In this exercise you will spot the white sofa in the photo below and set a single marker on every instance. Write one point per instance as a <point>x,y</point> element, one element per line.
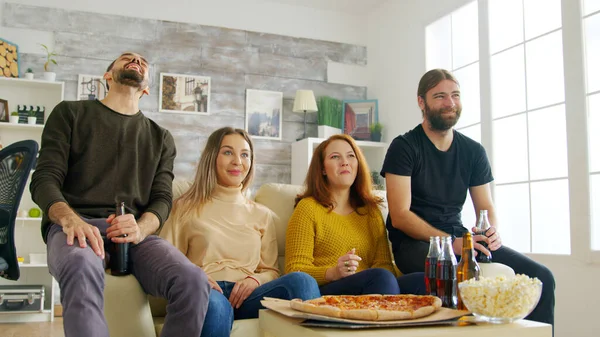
<point>131,313</point>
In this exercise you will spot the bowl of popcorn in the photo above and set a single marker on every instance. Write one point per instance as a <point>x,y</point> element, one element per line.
<point>501,299</point>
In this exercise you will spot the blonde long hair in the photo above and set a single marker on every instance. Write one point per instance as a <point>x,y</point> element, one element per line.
<point>190,203</point>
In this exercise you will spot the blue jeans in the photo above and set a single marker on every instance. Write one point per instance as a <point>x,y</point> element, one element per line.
<point>220,315</point>
<point>376,281</point>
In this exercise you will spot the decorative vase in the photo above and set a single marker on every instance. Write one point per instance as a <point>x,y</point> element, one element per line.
<point>376,136</point>
<point>31,120</point>
<point>49,76</point>
<point>326,131</point>
<point>29,76</point>
<point>14,119</point>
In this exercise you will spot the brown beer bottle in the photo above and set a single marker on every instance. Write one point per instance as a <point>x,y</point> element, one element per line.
<point>468,267</point>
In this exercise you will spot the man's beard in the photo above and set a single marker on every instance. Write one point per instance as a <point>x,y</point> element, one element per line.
<point>129,77</point>
<point>438,121</point>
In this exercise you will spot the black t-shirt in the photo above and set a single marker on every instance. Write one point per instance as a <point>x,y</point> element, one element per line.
<point>439,180</point>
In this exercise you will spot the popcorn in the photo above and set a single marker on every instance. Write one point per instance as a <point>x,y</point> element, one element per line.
<point>499,297</point>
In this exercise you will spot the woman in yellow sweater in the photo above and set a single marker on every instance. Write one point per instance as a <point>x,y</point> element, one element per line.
<point>230,237</point>
<point>337,234</point>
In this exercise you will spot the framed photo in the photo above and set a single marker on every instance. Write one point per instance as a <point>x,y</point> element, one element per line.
<point>90,87</point>
<point>9,59</point>
<point>4,113</point>
<point>358,116</point>
<point>263,113</point>
<point>184,94</point>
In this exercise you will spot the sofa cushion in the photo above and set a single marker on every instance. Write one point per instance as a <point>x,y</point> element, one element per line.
<point>180,186</point>
<point>279,198</point>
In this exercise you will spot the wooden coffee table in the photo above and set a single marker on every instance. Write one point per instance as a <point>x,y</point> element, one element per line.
<point>273,324</point>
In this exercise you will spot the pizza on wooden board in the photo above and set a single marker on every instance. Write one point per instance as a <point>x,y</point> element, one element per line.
<point>370,307</point>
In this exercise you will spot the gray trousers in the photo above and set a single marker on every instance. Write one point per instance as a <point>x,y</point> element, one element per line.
<point>160,268</point>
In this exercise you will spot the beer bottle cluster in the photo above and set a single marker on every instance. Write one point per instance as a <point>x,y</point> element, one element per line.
<point>442,274</point>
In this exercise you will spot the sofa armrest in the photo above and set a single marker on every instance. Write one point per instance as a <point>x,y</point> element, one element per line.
<point>126,307</point>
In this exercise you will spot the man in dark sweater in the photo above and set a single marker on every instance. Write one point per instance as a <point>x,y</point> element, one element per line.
<point>428,171</point>
<point>93,154</point>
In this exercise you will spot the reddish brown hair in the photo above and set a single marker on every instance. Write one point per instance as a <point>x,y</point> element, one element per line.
<point>317,186</point>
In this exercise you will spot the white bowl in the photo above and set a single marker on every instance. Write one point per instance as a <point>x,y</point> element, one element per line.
<point>501,299</point>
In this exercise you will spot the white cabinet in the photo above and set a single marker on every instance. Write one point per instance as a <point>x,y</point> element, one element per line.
<point>28,238</point>
<point>302,152</point>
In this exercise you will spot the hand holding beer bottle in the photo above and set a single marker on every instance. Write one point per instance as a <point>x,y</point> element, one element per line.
<point>482,228</point>
<point>119,252</point>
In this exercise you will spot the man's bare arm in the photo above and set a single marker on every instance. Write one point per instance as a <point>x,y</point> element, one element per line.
<point>61,214</point>
<point>399,199</point>
<point>482,199</point>
<point>148,223</point>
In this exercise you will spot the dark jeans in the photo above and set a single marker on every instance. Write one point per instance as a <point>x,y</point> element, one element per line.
<point>410,257</point>
<point>160,268</point>
<point>221,314</point>
<point>376,281</point>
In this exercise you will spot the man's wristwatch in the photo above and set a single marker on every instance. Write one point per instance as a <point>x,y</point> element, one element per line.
<point>453,237</point>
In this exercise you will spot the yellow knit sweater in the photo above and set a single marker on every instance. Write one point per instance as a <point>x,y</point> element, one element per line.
<point>316,238</point>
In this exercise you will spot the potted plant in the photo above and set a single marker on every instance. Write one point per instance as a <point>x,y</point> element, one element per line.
<point>31,117</point>
<point>329,116</point>
<point>377,181</point>
<point>376,131</point>
<point>49,75</point>
<point>29,74</point>
<point>14,117</point>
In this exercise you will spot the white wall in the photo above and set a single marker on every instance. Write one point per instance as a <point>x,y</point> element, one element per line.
<point>254,15</point>
<point>396,49</point>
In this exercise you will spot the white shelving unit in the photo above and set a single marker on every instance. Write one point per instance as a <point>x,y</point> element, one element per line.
<point>302,152</point>
<point>28,238</point>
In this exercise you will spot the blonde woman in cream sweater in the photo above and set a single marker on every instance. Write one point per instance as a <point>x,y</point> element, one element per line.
<point>230,237</point>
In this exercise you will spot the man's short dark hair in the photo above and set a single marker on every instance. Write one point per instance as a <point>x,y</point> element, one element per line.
<point>433,78</point>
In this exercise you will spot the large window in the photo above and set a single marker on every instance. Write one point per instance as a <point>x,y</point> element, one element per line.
<point>528,147</point>
<point>591,26</point>
<point>529,124</point>
<point>453,44</point>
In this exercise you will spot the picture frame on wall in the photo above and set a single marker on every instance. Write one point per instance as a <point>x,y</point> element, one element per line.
<point>358,116</point>
<point>264,110</point>
<point>180,93</point>
<point>9,59</point>
<point>4,112</point>
<point>90,87</point>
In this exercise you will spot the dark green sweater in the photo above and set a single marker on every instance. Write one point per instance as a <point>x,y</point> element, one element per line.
<point>92,156</point>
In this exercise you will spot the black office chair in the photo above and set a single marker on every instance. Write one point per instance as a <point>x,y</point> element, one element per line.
<point>16,161</point>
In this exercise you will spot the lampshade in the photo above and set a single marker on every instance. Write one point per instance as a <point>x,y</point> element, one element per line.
<point>305,101</point>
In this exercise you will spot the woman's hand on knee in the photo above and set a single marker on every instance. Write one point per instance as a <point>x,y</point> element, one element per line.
<point>241,290</point>
<point>214,285</point>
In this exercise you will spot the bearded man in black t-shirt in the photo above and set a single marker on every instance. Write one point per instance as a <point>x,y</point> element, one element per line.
<point>428,172</point>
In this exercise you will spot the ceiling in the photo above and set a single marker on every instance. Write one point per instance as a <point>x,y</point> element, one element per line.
<point>345,6</point>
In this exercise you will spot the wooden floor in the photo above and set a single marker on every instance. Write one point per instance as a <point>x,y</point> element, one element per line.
<point>42,329</point>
